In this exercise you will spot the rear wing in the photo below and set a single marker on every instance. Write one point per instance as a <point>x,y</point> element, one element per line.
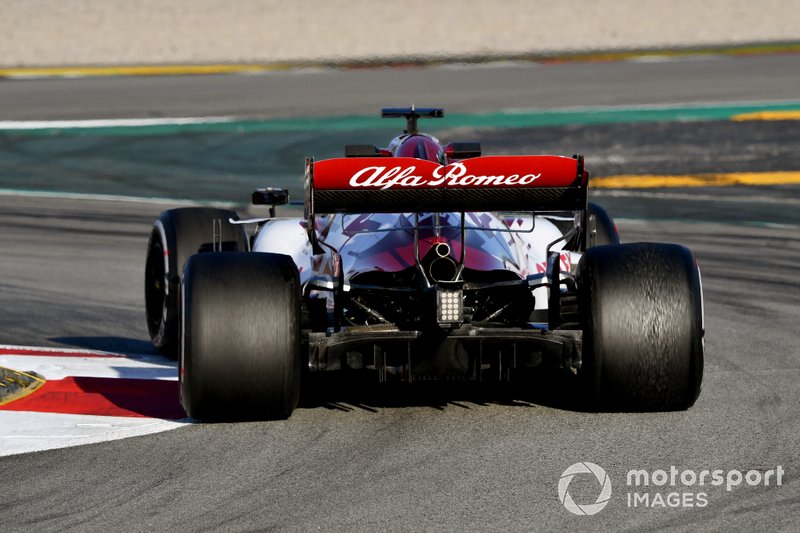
<point>489,183</point>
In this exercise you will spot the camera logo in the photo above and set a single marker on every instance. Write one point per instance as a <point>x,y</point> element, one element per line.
<point>590,508</point>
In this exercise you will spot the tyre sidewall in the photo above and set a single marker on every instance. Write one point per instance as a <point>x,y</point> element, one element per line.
<point>643,338</point>
<point>240,356</point>
<point>180,233</point>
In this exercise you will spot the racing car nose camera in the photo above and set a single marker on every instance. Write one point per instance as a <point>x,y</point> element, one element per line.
<point>449,307</point>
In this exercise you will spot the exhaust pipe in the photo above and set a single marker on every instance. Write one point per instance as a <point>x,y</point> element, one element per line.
<point>442,249</point>
<point>443,268</point>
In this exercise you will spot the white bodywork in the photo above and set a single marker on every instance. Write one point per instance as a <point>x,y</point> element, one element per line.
<point>288,236</point>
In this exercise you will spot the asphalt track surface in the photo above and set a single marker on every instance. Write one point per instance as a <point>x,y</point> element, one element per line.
<point>445,459</point>
<point>363,92</point>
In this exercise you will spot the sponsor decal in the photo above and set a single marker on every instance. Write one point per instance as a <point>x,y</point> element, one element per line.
<point>566,264</point>
<point>453,175</point>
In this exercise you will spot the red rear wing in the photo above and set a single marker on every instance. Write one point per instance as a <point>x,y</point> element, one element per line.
<point>490,183</point>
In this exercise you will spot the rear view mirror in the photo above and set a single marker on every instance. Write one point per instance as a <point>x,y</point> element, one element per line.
<point>270,196</point>
<point>462,150</point>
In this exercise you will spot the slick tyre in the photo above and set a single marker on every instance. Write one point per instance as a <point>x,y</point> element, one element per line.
<point>176,235</point>
<point>642,319</point>
<point>241,357</point>
<point>602,229</point>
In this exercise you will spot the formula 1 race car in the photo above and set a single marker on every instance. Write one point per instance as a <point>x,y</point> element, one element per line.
<point>422,262</point>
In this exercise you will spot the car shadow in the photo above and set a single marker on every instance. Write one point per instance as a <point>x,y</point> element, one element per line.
<point>550,388</point>
<point>339,391</point>
<point>120,345</point>
<point>149,398</point>
<point>149,389</point>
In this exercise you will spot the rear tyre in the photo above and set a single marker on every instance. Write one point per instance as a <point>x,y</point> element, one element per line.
<point>241,356</point>
<point>176,235</point>
<point>605,231</point>
<point>642,327</point>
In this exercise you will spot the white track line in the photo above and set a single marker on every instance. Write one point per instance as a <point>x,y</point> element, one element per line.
<point>111,123</point>
<point>21,349</point>
<point>23,432</point>
<point>55,195</point>
<point>55,367</point>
